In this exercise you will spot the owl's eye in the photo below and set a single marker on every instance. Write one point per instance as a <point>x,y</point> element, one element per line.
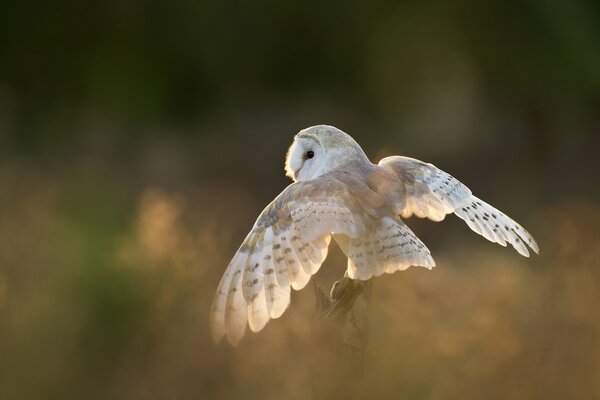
<point>310,154</point>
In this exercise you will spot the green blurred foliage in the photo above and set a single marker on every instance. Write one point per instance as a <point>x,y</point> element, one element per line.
<point>139,140</point>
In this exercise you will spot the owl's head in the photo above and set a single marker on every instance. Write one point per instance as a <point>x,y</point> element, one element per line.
<point>318,150</point>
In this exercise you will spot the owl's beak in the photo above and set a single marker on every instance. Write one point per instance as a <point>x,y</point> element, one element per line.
<point>296,173</point>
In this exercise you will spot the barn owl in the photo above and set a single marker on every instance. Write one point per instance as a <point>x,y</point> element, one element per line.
<point>338,193</point>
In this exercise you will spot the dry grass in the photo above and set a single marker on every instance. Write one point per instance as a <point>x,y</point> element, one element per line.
<point>122,311</point>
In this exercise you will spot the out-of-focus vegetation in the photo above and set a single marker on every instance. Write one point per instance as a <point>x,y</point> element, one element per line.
<point>138,142</point>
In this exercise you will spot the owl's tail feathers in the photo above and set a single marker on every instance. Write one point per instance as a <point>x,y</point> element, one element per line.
<point>390,247</point>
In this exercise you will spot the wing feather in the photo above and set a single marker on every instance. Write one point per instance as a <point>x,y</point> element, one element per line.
<point>286,246</point>
<point>282,272</point>
<point>432,193</point>
<point>235,309</point>
<point>297,272</point>
<point>277,297</point>
<point>218,311</point>
<point>388,248</point>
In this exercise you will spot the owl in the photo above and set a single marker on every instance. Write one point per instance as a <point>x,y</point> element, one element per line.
<point>338,193</point>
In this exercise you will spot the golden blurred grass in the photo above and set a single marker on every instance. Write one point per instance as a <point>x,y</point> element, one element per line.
<point>96,305</point>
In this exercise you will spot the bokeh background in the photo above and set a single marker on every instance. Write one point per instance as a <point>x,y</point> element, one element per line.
<point>140,140</point>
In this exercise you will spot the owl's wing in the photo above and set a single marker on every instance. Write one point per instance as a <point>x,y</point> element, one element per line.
<point>432,193</point>
<point>286,246</point>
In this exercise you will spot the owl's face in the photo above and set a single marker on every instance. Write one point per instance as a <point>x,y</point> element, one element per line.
<point>318,150</point>
<point>305,159</point>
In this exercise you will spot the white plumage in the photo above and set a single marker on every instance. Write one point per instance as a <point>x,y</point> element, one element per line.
<point>337,192</point>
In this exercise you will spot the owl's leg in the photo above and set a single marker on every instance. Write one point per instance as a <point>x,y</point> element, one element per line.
<point>344,294</point>
<point>341,298</point>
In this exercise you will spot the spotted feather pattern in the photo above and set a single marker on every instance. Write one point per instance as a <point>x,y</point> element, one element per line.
<point>388,248</point>
<point>360,205</point>
<point>432,193</point>
<point>285,248</point>
<point>495,226</point>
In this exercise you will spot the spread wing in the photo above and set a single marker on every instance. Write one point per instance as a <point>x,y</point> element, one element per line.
<point>432,193</point>
<point>286,246</point>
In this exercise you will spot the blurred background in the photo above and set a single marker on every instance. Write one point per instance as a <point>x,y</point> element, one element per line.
<point>140,140</point>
